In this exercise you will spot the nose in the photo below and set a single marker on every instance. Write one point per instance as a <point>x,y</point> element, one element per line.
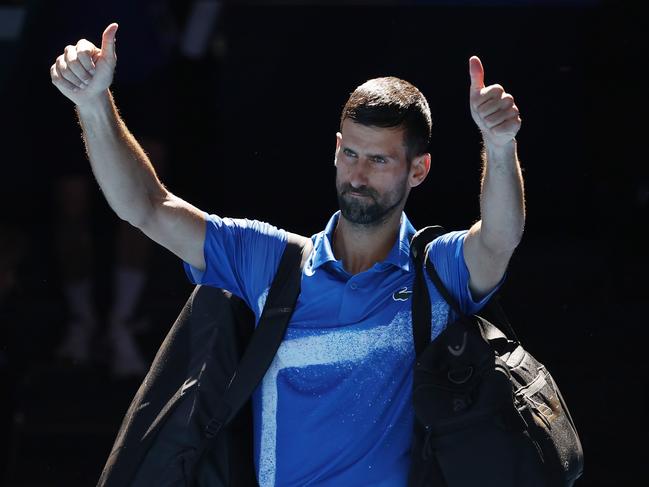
<point>358,174</point>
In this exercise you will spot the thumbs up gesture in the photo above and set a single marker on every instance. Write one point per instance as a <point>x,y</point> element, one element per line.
<point>83,71</point>
<point>493,110</point>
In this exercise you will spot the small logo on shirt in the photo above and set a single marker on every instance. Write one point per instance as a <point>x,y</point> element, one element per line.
<point>402,294</point>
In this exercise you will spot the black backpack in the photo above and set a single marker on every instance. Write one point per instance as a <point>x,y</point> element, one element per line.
<point>487,412</point>
<point>190,422</point>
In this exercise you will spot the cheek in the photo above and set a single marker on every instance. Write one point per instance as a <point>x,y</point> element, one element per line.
<point>399,181</point>
<point>342,168</point>
<point>340,176</point>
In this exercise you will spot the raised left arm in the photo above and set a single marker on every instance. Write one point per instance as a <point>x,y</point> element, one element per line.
<point>491,241</point>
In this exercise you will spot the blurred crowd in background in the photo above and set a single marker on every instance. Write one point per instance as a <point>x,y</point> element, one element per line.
<point>237,104</point>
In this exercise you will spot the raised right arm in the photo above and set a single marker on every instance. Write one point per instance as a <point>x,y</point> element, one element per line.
<point>122,169</point>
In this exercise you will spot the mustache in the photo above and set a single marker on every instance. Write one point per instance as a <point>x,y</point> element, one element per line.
<point>362,190</point>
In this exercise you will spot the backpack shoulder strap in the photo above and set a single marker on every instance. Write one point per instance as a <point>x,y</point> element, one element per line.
<point>421,316</point>
<point>268,335</point>
<point>422,238</point>
<point>493,306</point>
<point>421,313</point>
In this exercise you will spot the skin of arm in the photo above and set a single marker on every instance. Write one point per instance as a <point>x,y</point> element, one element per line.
<point>491,241</point>
<point>122,169</point>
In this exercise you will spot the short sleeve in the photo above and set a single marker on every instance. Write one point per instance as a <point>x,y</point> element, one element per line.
<point>446,253</point>
<point>241,256</point>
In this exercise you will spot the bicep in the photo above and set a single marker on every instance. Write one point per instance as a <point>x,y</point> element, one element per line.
<point>179,227</point>
<point>486,266</point>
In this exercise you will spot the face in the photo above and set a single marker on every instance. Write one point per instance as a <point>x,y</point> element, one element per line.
<point>373,177</point>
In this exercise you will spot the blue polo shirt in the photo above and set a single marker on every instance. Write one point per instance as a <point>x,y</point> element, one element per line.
<point>334,408</point>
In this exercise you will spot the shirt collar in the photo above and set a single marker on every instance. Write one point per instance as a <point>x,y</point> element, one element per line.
<point>399,255</point>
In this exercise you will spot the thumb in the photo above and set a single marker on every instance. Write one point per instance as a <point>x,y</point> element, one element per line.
<point>108,42</point>
<point>476,71</point>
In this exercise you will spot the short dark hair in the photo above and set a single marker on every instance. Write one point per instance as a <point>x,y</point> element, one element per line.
<point>392,102</point>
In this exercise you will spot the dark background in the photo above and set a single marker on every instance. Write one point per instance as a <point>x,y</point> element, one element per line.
<point>250,125</point>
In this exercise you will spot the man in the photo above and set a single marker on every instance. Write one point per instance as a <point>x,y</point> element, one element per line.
<point>334,407</point>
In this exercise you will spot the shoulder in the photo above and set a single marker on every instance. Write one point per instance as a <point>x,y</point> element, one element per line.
<point>244,225</point>
<point>449,244</point>
<point>238,233</point>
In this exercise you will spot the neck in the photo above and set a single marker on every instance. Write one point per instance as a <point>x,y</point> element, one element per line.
<point>361,246</point>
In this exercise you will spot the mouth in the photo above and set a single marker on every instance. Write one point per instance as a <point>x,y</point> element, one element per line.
<point>348,191</point>
<point>359,193</point>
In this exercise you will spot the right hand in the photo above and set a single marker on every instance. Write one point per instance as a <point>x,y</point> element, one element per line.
<point>84,72</point>
<point>493,110</point>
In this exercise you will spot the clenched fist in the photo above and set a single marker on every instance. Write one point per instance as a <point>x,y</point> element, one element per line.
<point>83,72</point>
<point>493,110</point>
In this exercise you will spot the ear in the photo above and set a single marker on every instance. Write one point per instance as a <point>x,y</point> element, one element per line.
<point>339,141</point>
<point>419,169</point>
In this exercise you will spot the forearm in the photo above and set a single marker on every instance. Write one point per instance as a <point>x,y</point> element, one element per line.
<point>121,167</point>
<point>502,201</point>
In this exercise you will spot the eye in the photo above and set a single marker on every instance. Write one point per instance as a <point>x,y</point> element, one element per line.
<point>349,153</point>
<point>379,160</point>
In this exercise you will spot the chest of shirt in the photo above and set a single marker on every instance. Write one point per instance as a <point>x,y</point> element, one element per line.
<point>331,301</point>
<point>346,332</point>
<point>376,304</point>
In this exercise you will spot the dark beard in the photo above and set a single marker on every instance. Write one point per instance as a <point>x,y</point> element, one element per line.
<point>364,211</point>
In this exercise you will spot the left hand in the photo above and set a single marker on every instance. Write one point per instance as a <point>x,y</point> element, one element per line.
<point>493,110</point>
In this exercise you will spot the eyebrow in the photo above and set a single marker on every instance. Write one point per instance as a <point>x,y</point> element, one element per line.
<point>383,156</point>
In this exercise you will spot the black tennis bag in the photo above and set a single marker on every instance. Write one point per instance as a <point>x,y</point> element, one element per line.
<point>190,422</point>
<point>487,412</point>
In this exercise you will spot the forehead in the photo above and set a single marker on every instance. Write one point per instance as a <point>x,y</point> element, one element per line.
<point>372,139</point>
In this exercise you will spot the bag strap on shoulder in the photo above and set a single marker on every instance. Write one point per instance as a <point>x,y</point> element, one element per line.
<point>268,334</point>
<point>421,314</point>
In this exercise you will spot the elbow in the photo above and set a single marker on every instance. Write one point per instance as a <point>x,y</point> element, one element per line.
<point>514,239</point>
<point>132,219</point>
<point>140,214</point>
<point>502,242</point>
